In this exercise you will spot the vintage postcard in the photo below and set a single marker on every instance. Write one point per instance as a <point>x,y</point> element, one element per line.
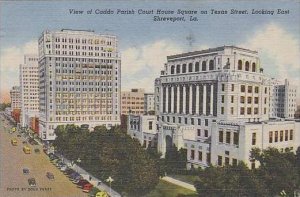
<point>149,98</point>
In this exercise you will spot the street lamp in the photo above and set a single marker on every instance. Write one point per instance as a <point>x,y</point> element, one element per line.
<point>109,180</point>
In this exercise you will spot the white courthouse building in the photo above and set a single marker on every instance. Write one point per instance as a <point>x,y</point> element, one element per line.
<point>216,104</point>
<point>29,89</point>
<point>79,77</point>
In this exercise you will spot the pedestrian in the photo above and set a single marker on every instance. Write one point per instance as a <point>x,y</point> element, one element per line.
<point>99,183</point>
<point>90,178</point>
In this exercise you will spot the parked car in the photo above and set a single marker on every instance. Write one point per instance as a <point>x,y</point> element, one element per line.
<point>82,183</point>
<point>25,171</point>
<point>73,176</point>
<point>68,171</point>
<point>87,187</point>
<point>63,168</point>
<point>50,176</point>
<point>93,192</point>
<point>77,179</point>
<point>18,135</point>
<point>32,182</point>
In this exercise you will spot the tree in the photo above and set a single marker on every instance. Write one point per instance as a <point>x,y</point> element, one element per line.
<point>105,153</point>
<point>229,181</point>
<point>277,169</point>
<point>175,160</point>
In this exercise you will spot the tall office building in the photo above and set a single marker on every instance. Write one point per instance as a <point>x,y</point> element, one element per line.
<point>15,98</point>
<point>29,89</point>
<point>283,100</point>
<point>80,80</point>
<point>215,104</point>
<point>133,102</point>
<point>149,102</point>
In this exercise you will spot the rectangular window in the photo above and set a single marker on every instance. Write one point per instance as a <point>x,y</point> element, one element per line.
<point>291,134</point>
<point>192,154</point>
<point>281,136</point>
<point>255,110</point>
<point>231,110</point>
<point>200,155</point>
<point>199,121</point>
<point>219,160</point>
<point>236,138</point>
<point>242,99</point>
<point>253,138</point>
<point>221,136</point>
<point>192,121</point>
<point>232,87</point>
<point>270,136</point>
<point>222,110</point>
<point>228,137</point>
<point>232,99</point>
<point>223,87</point>
<point>255,100</point>
<point>234,162</point>
<point>249,89</point>
<point>226,161</point>
<point>249,100</point>
<point>205,133</point>
<point>150,125</point>
<point>242,111</point>
<point>222,98</point>
<point>179,119</point>
<point>206,122</point>
<point>242,88</point>
<point>286,137</point>
<point>208,158</point>
<point>199,132</point>
<point>249,110</point>
<point>256,89</point>
<point>276,136</point>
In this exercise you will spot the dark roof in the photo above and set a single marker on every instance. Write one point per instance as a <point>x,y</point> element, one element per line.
<point>210,50</point>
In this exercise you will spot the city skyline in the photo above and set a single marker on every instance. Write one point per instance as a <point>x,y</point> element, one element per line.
<point>144,52</point>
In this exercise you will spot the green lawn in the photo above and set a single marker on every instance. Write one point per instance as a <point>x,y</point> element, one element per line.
<point>166,189</point>
<point>185,178</point>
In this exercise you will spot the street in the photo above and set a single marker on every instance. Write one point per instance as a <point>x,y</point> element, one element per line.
<point>13,160</point>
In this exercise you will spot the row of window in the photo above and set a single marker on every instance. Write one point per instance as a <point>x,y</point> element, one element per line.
<point>246,66</point>
<point>226,161</point>
<point>192,120</point>
<point>183,68</point>
<point>83,41</point>
<point>228,137</point>
<point>200,156</point>
<point>280,136</point>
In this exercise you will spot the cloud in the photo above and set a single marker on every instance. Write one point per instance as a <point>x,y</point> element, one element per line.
<point>279,46</point>
<point>10,60</point>
<point>279,52</point>
<point>141,65</point>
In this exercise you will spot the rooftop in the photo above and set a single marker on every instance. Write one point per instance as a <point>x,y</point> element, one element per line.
<point>210,50</point>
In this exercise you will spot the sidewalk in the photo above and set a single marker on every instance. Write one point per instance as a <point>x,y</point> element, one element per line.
<point>179,183</point>
<point>93,180</point>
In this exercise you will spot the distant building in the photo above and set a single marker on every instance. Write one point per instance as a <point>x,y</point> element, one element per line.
<point>80,80</point>
<point>149,103</point>
<point>143,128</point>
<point>283,100</point>
<point>15,97</point>
<point>29,87</point>
<point>132,102</point>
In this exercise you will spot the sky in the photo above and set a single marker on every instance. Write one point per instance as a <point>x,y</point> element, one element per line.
<point>144,44</point>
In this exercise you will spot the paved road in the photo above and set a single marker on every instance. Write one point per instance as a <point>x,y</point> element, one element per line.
<point>12,180</point>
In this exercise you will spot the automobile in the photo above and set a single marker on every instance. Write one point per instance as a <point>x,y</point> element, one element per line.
<point>73,176</point>
<point>82,183</point>
<point>77,179</point>
<point>68,171</point>
<point>32,182</point>
<point>63,168</point>
<point>24,142</point>
<point>25,171</point>
<point>18,135</point>
<point>37,150</point>
<point>93,192</point>
<point>101,194</point>
<point>27,149</point>
<point>50,176</point>
<point>87,187</point>
<point>14,142</point>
